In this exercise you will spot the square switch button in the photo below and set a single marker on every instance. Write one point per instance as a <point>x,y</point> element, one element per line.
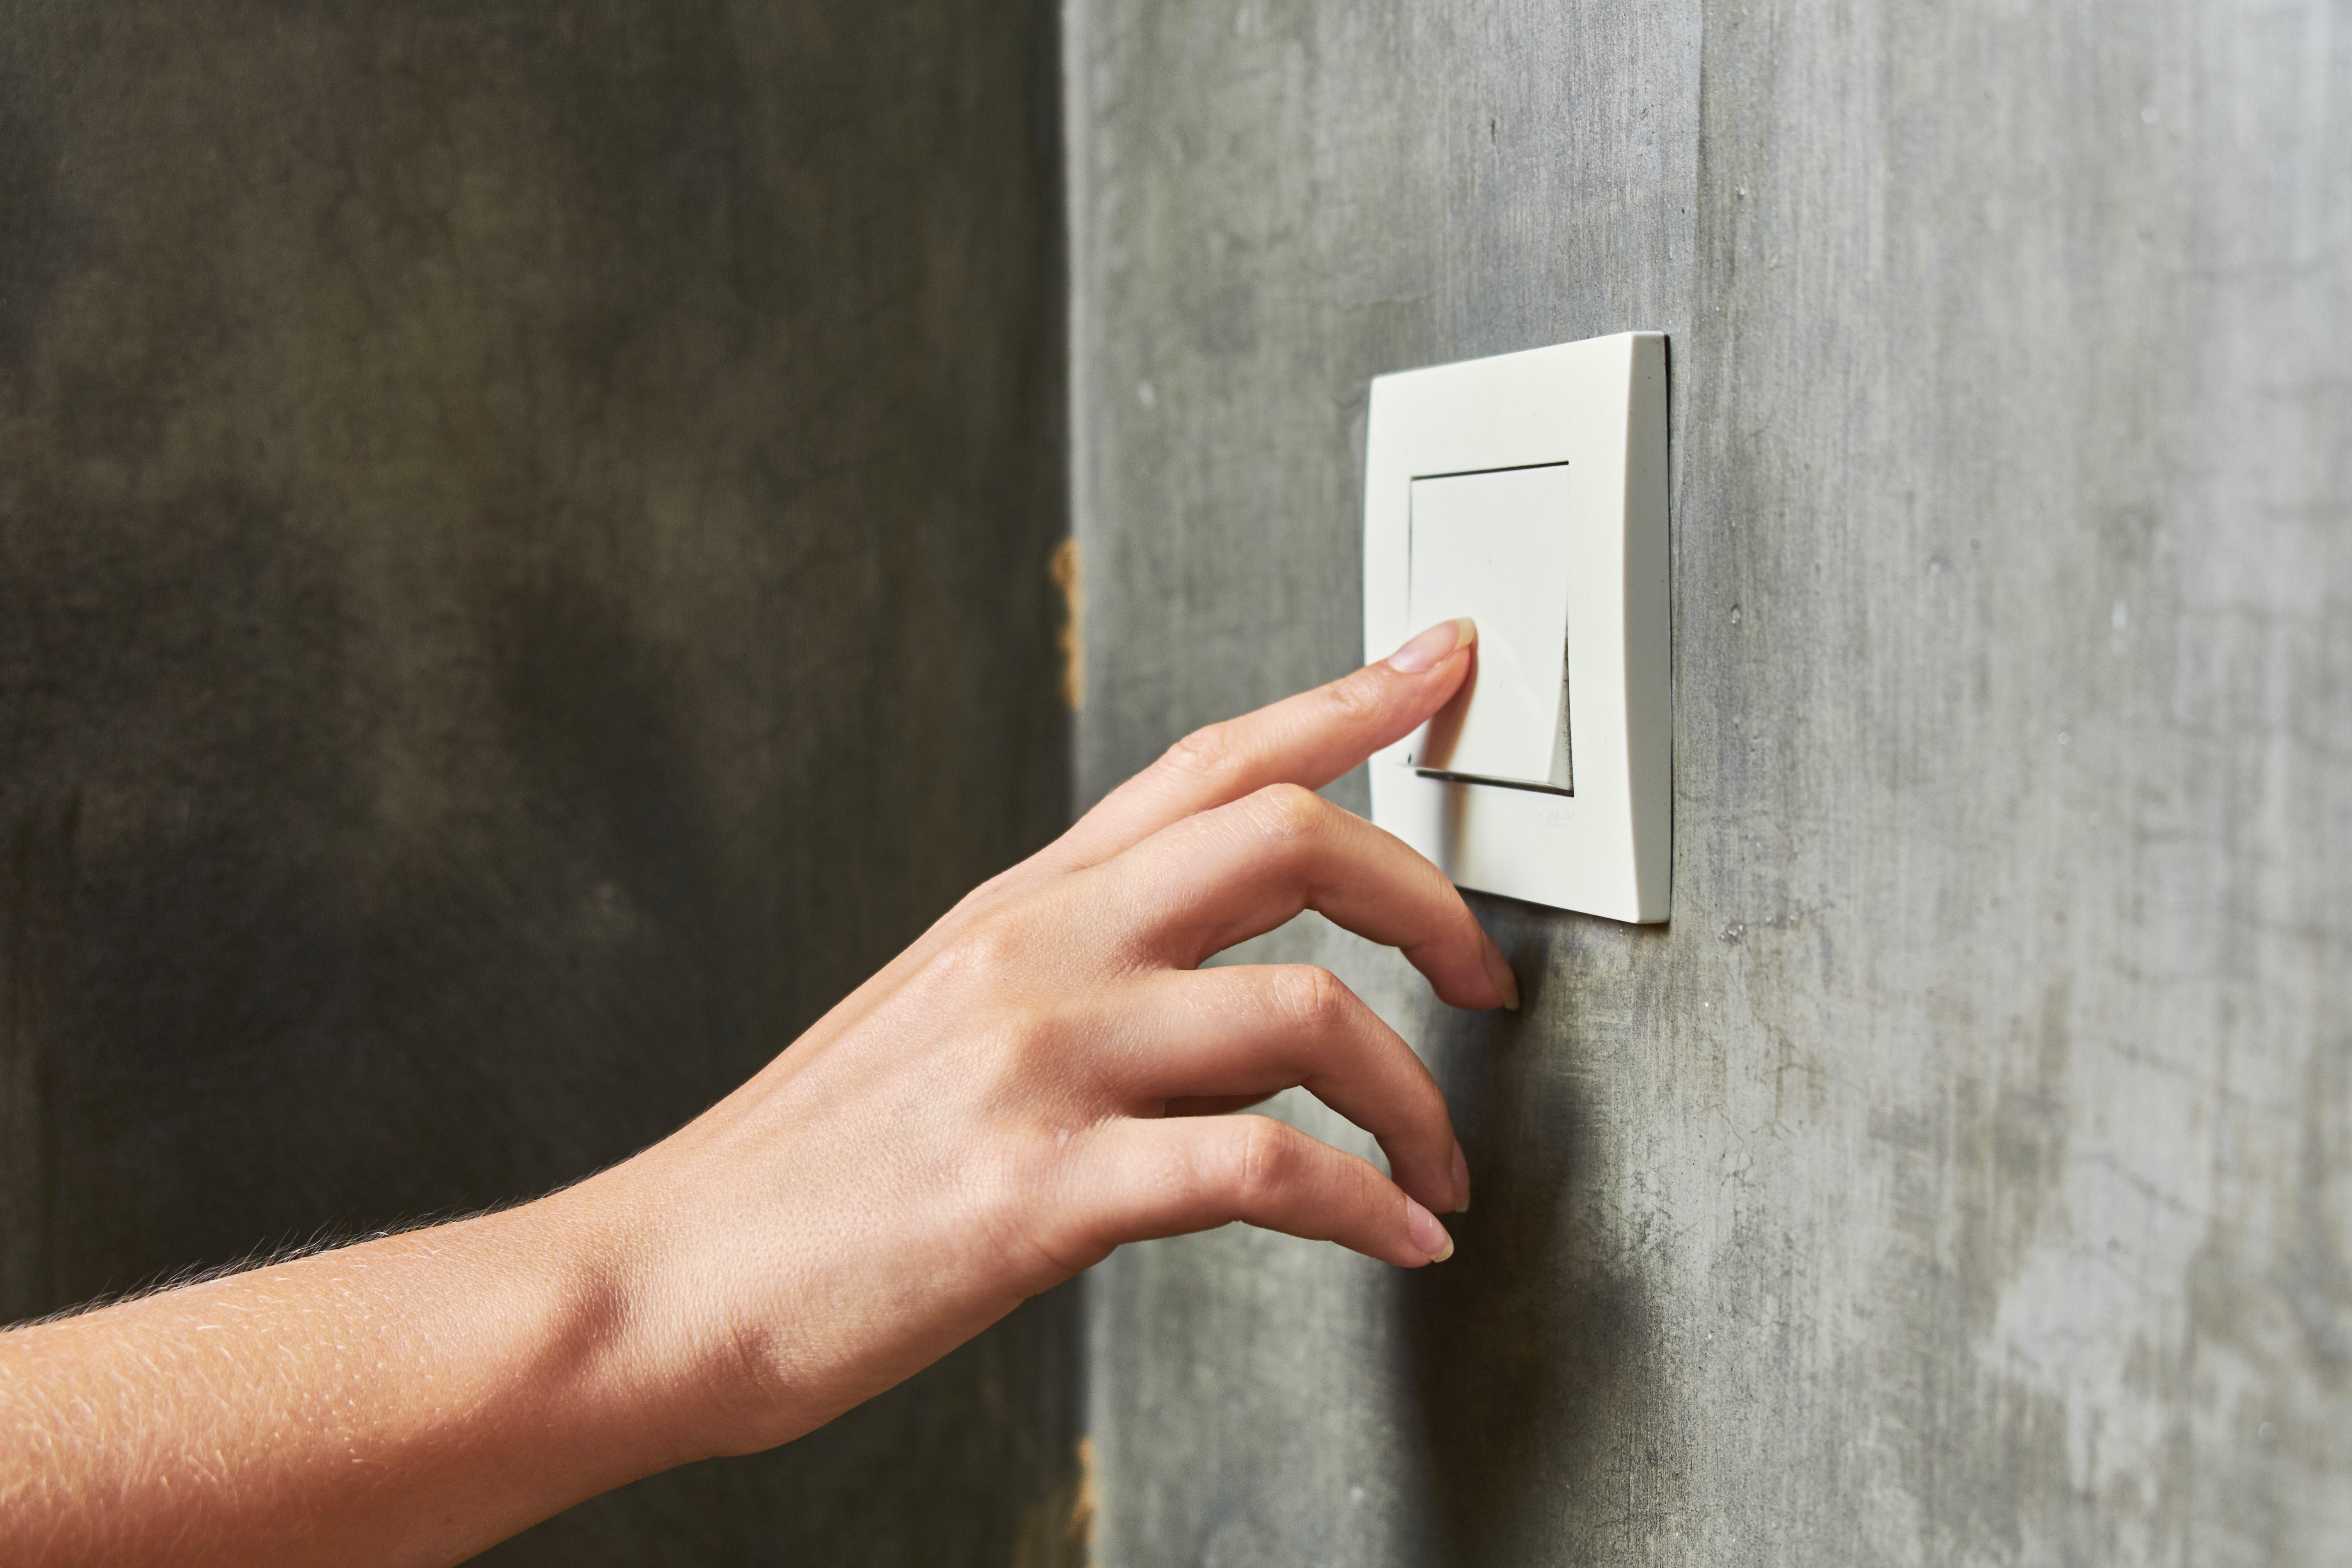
<point>1495,547</point>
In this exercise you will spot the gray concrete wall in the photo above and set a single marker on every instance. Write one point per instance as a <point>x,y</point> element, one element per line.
<point>1965,1175</point>
<point>523,539</point>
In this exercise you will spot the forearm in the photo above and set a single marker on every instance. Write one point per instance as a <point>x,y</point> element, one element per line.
<point>409,1400</point>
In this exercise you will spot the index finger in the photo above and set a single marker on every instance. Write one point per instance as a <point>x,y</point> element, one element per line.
<point>1308,739</point>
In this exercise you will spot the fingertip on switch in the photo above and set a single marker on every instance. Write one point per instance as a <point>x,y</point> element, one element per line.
<point>1435,646</point>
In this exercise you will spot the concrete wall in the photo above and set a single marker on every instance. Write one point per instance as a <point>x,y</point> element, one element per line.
<point>523,540</point>
<point>1966,1174</point>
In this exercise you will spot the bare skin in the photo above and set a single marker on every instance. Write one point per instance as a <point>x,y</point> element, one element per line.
<point>1013,1096</point>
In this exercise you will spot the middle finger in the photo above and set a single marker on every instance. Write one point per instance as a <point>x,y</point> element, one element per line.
<point>1225,876</point>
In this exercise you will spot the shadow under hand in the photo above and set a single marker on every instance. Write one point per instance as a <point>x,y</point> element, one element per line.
<point>1535,1382</point>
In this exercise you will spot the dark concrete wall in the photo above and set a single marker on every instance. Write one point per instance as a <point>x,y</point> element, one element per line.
<point>1965,1175</point>
<point>523,540</point>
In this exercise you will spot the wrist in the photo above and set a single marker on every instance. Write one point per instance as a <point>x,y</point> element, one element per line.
<point>694,1356</point>
<point>614,1359</point>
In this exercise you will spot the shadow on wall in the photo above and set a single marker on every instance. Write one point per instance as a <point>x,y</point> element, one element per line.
<point>1536,1376</point>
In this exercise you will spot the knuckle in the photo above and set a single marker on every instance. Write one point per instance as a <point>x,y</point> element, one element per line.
<point>993,957</point>
<point>1262,1159</point>
<point>1210,752</point>
<point>1310,995</point>
<point>1025,1034</point>
<point>1427,1108</point>
<point>1015,1194</point>
<point>988,948</point>
<point>1358,697</point>
<point>1284,812</point>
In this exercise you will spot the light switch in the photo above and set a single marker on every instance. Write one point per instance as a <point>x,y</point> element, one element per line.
<point>1527,491</point>
<point>1494,547</point>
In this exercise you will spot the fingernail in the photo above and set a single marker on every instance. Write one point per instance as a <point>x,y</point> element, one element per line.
<point>1426,1233</point>
<point>1461,1181</point>
<point>1435,646</point>
<point>1498,969</point>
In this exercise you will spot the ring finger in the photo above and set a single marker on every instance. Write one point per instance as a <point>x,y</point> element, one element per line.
<point>1236,1034</point>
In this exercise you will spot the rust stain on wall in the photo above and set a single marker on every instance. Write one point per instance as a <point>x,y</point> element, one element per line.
<point>1064,571</point>
<point>1042,1544</point>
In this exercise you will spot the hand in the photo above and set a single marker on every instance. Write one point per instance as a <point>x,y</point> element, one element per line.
<point>1017,1093</point>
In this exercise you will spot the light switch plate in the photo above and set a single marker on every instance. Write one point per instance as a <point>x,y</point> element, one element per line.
<point>1533,474</point>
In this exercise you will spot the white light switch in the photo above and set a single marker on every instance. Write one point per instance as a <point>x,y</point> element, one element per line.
<point>1494,547</point>
<point>1528,492</point>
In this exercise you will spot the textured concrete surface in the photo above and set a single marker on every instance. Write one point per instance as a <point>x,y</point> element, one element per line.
<point>523,546</point>
<point>1965,1175</point>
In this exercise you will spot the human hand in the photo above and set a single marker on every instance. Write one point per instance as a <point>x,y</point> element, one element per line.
<point>1013,1096</point>
<point>1022,1089</point>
